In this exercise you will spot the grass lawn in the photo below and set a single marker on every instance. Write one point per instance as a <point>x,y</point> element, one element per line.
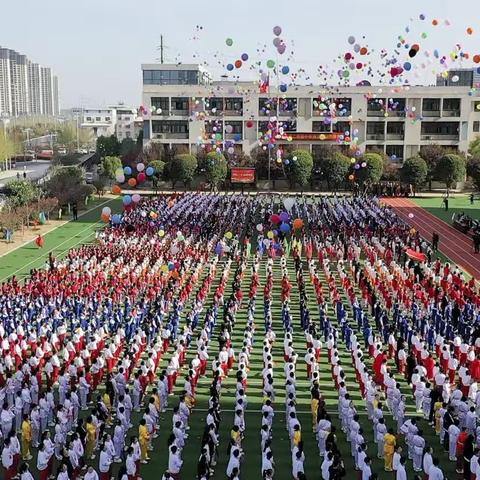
<point>435,206</point>
<point>76,233</point>
<point>58,241</point>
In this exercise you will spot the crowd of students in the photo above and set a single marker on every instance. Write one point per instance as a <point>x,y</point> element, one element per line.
<point>95,344</point>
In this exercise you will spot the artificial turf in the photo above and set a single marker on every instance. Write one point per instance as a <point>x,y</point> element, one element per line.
<point>458,204</point>
<point>75,233</point>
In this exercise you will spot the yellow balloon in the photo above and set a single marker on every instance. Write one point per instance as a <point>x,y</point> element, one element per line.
<point>229,235</point>
<point>270,234</point>
<point>161,233</point>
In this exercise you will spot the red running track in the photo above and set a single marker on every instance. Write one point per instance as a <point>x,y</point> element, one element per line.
<point>454,244</point>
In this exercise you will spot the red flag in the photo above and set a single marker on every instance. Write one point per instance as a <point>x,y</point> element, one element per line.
<point>264,85</point>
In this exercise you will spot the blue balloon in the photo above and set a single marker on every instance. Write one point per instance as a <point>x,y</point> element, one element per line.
<point>171,266</point>
<point>285,70</point>
<point>116,219</point>
<point>244,57</point>
<point>407,66</point>
<point>284,227</point>
<point>237,137</point>
<point>127,200</point>
<point>127,171</point>
<point>218,249</point>
<point>283,87</point>
<point>150,171</point>
<point>230,67</point>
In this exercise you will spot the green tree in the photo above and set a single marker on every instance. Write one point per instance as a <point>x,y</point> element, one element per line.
<point>110,165</point>
<point>216,169</point>
<point>128,147</point>
<point>431,154</point>
<point>335,166</point>
<point>473,170</point>
<point>301,166</point>
<point>21,192</point>
<point>474,148</point>
<point>414,171</point>
<point>108,146</point>
<point>451,168</point>
<point>182,168</point>
<point>373,170</point>
<point>158,167</point>
<point>67,135</point>
<point>67,185</point>
<point>7,148</point>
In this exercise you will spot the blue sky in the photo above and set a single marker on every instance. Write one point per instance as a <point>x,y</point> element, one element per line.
<point>96,46</point>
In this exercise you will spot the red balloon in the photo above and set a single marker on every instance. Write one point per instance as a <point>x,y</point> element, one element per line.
<point>141,177</point>
<point>275,219</point>
<point>249,124</point>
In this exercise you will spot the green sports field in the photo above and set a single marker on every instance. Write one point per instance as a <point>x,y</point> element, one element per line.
<point>75,233</point>
<point>455,205</point>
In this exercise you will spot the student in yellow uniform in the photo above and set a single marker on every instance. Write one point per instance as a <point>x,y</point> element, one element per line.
<point>108,404</point>
<point>235,435</point>
<point>314,406</point>
<point>438,416</point>
<point>26,438</point>
<point>388,449</point>
<point>297,435</point>
<point>143,438</point>
<point>91,437</point>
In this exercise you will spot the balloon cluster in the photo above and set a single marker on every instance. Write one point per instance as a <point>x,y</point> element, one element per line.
<point>136,178</point>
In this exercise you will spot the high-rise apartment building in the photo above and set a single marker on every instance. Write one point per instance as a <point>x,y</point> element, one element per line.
<point>26,88</point>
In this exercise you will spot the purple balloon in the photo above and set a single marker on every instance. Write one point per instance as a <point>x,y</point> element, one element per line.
<point>277,30</point>
<point>277,42</point>
<point>284,217</point>
<point>281,48</point>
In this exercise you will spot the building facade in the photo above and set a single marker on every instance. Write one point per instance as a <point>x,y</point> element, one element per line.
<point>118,120</point>
<point>26,88</point>
<point>184,107</point>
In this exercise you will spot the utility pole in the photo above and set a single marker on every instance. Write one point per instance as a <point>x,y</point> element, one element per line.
<point>161,49</point>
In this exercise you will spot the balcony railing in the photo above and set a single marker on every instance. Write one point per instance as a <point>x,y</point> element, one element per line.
<point>395,136</point>
<point>375,136</point>
<point>450,113</point>
<point>179,112</point>
<point>396,113</point>
<point>375,113</point>
<point>436,136</point>
<point>431,113</point>
<point>232,113</point>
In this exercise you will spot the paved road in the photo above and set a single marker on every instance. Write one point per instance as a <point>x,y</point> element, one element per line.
<point>36,169</point>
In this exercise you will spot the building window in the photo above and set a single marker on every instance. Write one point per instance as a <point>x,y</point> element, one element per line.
<point>170,77</point>
<point>162,103</point>
<point>431,105</point>
<point>341,127</point>
<point>440,130</point>
<point>287,105</point>
<point>234,105</point>
<point>170,127</point>
<point>237,127</point>
<point>395,152</point>
<point>476,106</point>
<point>89,119</point>
<point>107,119</point>
<point>375,130</point>
<point>98,119</point>
<point>214,103</point>
<point>267,106</point>
<point>180,104</point>
<point>321,127</point>
<point>128,134</point>
<point>476,127</point>
<point>451,107</point>
<point>376,107</point>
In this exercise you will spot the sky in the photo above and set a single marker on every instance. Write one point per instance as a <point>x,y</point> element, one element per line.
<point>96,47</point>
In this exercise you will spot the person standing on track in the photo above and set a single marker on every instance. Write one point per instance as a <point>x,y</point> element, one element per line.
<point>435,241</point>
